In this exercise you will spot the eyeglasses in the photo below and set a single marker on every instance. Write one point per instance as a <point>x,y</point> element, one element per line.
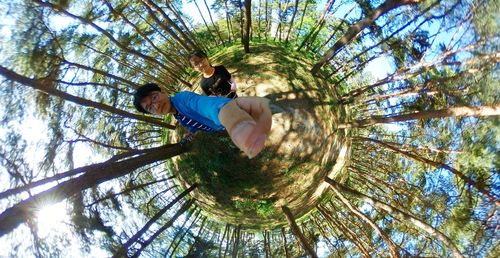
<point>153,99</point>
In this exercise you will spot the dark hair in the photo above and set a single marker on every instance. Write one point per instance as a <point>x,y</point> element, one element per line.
<point>199,54</point>
<point>143,92</point>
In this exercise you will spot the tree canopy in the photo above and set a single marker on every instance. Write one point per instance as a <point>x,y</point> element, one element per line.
<point>386,136</point>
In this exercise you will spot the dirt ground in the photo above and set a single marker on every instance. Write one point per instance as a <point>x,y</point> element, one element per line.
<point>301,150</point>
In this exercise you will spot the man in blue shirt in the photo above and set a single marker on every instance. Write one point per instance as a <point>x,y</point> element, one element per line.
<point>247,119</point>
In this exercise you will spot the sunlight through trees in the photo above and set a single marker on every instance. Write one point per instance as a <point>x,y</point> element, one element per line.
<point>385,139</point>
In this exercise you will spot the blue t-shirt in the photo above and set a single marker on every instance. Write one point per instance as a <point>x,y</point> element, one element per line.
<point>197,112</point>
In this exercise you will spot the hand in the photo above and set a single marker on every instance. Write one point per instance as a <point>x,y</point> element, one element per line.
<point>248,121</point>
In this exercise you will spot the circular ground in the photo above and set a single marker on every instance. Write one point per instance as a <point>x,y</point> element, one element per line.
<point>302,147</point>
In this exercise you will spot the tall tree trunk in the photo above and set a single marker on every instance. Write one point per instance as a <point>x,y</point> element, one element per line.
<point>480,111</point>
<point>137,71</point>
<point>213,24</point>
<point>39,85</point>
<point>58,176</point>
<point>278,28</point>
<point>401,215</point>
<point>184,232</point>
<point>318,26</point>
<point>230,240</point>
<point>170,22</point>
<point>134,52</point>
<point>101,72</point>
<point>356,28</point>
<point>296,231</point>
<point>266,241</point>
<point>341,22</point>
<point>139,31</point>
<point>302,19</point>
<point>291,21</point>
<point>124,249</point>
<point>266,31</point>
<point>205,22</point>
<point>237,241</point>
<point>248,25</point>
<point>198,236</point>
<point>146,243</point>
<point>321,229</point>
<point>189,28</point>
<point>346,231</point>
<point>479,187</point>
<point>226,229</point>
<point>259,19</point>
<point>285,244</point>
<point>392,248</point>
<point>229,23</point>
<point>102,172</point>
<point>127,190</point>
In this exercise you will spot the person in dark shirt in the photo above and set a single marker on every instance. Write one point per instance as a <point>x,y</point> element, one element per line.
<point>216,80</point>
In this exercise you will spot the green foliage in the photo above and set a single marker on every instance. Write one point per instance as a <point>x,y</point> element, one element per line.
<point>263,208</point>
<point>448,60</point>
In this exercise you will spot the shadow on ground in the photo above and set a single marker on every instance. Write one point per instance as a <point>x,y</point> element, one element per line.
<point>301,150</point>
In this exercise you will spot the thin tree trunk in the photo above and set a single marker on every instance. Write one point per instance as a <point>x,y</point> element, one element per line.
<point>296,231</point>
<point>229,23</point>
<point>174,26</point>
<point>213,24</point>
<point>128,190</point>
<point>237,241</point>
<point>124,248</point>
<point>39,85</point>
<point>356,28</point>
<point>266,241</point>
<point>242,17</point>
<point>139,31</point>
<point>291,21</point>
<point>189,28</point>
<point>72,172</point>
<point>205,22</point>
<point>146,243</point>
<point>342,21</point>
<point>248,25</point>
<point>392,248</point>
<point>198,235</point>
<point>230,240</point>
<point>480,111</point>
<point>479,187</point>
<point>285,245</point>
<point>101,72</point>
<point>134,52</point>
<point>102,172</point>
<point>318,25</point>
<point>186,231</point>
<point>266,31</point>
<point>403,216</point>
<point>315,219</point>
<point>259,19</point>
<point>222,239</point>
<point>280,13</point>
<point>138,71</point>
<point>302,19</point>
<point>179,232</point>
<point>347,232</point>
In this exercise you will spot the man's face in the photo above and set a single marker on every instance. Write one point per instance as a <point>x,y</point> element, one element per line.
<point>200,64</point>
<point>156,103</point>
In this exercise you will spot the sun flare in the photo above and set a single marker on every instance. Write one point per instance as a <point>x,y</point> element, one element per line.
<point>52,218</point>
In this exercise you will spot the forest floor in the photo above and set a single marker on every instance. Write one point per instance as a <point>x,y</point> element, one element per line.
<point>302,148</point>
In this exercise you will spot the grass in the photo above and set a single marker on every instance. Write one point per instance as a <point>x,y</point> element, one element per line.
<point>236,189</point>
